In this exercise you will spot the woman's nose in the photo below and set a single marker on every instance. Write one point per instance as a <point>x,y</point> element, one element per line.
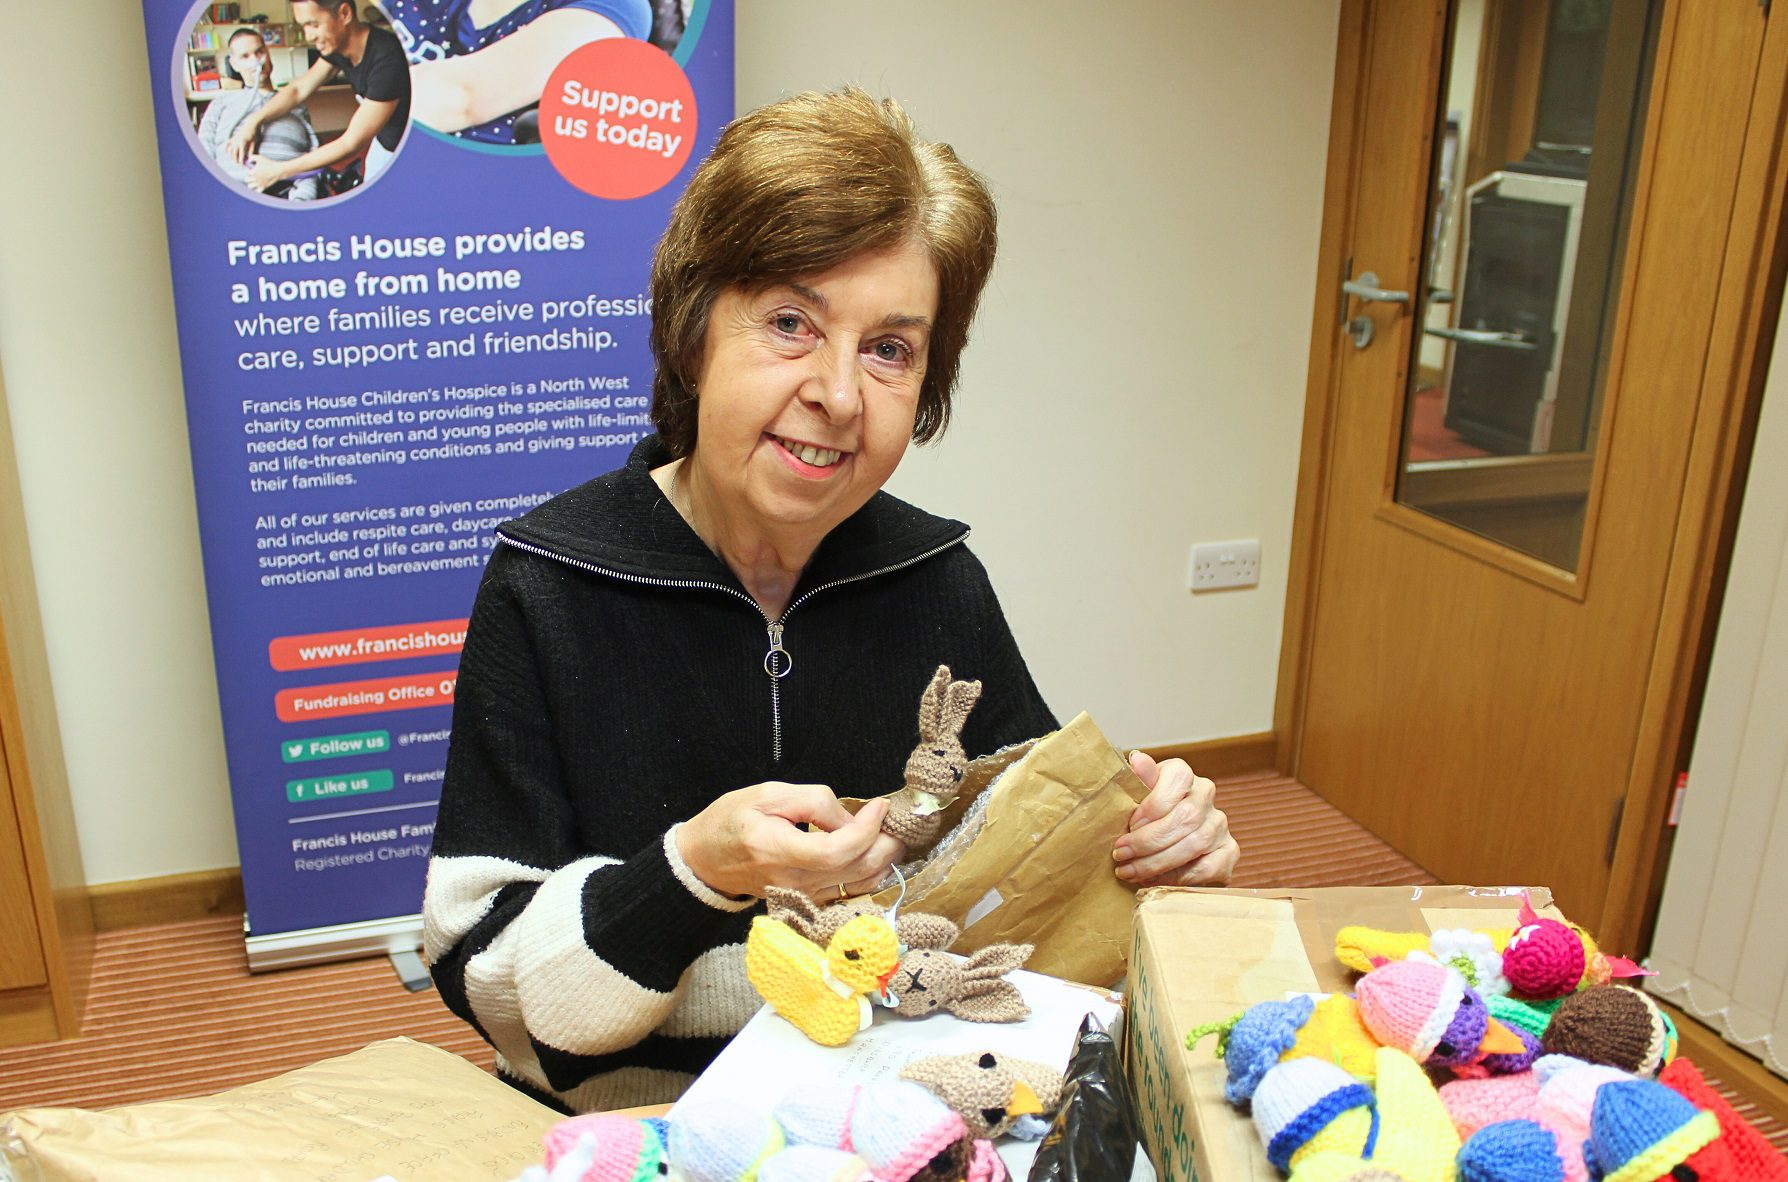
<point>835,385</point>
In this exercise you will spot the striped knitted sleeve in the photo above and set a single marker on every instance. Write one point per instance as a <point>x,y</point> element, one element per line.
<point>565,958</point>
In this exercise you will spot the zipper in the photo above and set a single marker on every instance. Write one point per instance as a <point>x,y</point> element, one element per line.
<point>778,661</point>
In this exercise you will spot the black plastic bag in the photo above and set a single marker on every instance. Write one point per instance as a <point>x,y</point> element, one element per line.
<point>1096,1136</point>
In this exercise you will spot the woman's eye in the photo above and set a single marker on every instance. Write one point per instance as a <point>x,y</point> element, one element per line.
<point>788,323</point>
<point>891,351</point>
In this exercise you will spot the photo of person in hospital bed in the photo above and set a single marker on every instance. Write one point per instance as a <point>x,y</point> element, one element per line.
<point>284,137</point>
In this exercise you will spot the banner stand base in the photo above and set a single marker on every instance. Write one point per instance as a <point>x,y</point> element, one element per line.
<point>342,941</point>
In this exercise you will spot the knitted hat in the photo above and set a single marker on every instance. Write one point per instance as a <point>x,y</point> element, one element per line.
<point>1478,1103</point>
<point>818,1114</point>
<point>815,1163</point>
<point>722,1141</point>
<point>1307,1105</point>
<point>1511,1151</point>
<point>989,1091</point>
<point>898,1128</point>
<point>1754,1159</point>
<point>627,1150</point>
<point>1335,1033</point>
<point>1258,1039</point>
<point>1610,1024</point>
<point>1567,1096</point>
<point>1408,1004</point>
<point>1641,1130</point>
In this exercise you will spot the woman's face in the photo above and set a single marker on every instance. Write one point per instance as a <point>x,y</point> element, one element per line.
<point>808,390</point>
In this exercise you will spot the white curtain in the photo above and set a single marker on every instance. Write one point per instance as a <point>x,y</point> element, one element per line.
<point>1721,945</point>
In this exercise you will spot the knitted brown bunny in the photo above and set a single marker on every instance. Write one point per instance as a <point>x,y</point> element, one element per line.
<point>974,989</point>
<point>934,770</point>
<point>817,923</point>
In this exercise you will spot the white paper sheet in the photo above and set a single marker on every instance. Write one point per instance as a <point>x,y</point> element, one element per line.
<point>770,1058</point>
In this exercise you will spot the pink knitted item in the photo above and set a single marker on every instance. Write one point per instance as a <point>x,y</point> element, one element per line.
<point>899,1127</point>
<point>1475,1103</point>
<point>1567,1097</point>
<point>985,1165</point>
<point>1408,1004</point>
<point>626,1149</point>
<point>1544,959</point>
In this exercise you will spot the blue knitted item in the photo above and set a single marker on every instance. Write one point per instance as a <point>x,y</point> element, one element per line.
<point>1511,1151</point>
<point>1315,1118</point>
<point>1641,1129</point>
<point>1257,1040</point>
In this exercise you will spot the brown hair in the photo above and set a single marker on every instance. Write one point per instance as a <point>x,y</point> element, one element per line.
<point>796,188</point>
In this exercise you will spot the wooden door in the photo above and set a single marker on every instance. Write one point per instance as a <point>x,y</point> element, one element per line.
<point>1496,683</point>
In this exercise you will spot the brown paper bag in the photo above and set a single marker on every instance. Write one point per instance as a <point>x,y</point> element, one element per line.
<point>1032,864</point>
<point>395,1107</point>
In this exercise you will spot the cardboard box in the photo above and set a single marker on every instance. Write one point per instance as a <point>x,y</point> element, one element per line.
<point>1204,955</point>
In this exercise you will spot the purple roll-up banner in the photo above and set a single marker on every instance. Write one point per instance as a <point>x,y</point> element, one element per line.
<point>386,356</point>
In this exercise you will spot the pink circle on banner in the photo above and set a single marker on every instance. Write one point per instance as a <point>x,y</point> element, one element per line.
<point>618,118</point>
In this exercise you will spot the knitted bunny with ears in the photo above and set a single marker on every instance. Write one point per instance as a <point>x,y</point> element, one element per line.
<point>935,769</point>
<point>975,989</point>
<point>818,923</point>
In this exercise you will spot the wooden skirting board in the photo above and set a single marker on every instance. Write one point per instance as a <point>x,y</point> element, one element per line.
<point>1220,759</point>
<point>177,897</point>
<point>171,898</point>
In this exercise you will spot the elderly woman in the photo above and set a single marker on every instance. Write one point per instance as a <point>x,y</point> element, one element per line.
<point>670,669</point>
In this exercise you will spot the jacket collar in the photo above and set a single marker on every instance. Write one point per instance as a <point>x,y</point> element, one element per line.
<point>622,523</point>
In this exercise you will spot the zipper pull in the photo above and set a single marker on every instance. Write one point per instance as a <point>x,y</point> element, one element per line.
<point>777,662</point>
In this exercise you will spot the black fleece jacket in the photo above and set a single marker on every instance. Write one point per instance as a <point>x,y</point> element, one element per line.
<point>613,684</point>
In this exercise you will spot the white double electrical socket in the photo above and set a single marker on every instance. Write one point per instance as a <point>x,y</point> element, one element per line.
<point>1224,564</point>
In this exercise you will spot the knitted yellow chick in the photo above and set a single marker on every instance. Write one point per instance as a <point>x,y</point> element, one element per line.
<point>822,991</point>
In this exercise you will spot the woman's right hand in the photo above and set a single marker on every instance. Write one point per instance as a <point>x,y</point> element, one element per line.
<point>750,839</point>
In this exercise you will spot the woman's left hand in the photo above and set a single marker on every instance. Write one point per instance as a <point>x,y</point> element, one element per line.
<point>1176,837</point>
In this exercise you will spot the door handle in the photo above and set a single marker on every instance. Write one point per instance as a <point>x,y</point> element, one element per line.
<point>1481,336</point>
<point>1366,288</point>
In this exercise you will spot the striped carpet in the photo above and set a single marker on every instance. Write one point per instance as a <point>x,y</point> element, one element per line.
<point>174,1011</point>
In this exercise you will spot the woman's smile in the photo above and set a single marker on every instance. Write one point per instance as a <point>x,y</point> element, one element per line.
<point>807,460</point>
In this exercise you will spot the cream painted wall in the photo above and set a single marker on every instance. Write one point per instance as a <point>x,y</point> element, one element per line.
<point>1135,385</point>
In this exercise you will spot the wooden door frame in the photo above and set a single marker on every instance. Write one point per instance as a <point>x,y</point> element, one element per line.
<point>1748,305</point>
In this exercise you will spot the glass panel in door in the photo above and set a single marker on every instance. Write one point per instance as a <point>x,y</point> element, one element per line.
<point>1532,184</point>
